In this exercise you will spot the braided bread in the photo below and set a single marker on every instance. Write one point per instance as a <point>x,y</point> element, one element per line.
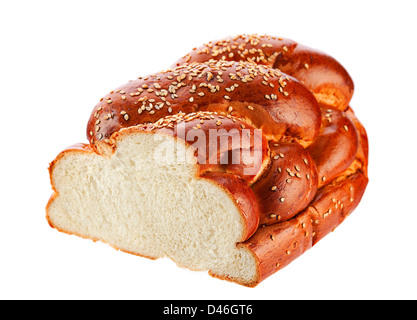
<point>236,160</point>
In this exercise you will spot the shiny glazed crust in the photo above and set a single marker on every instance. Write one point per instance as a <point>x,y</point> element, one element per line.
<point>322,74</point>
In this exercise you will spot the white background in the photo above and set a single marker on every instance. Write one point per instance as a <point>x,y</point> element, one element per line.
<point>58,58</point>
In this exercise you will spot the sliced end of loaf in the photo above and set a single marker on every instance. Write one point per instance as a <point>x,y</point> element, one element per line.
<point>147,199</point>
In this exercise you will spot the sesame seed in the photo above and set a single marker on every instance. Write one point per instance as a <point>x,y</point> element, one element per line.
<point>282,199</point>
<point>306,65</point>
<point>345,127</point>
<point>273,188</point>
<point>226,97</point>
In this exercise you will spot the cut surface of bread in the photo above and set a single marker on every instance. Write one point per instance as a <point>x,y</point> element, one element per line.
<point>146,198</point>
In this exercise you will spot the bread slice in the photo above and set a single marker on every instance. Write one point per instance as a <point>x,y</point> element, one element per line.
<point>146,194</point>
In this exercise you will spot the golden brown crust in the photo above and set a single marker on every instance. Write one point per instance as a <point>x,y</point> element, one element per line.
<point>264,97</point>
<point>336,145</point>
<point>289,184</point>
<point>277,245</point>
<point>361,161</point>
<point>321,73</point>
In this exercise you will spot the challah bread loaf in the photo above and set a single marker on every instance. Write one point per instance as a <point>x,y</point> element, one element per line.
<point>234,167</point>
